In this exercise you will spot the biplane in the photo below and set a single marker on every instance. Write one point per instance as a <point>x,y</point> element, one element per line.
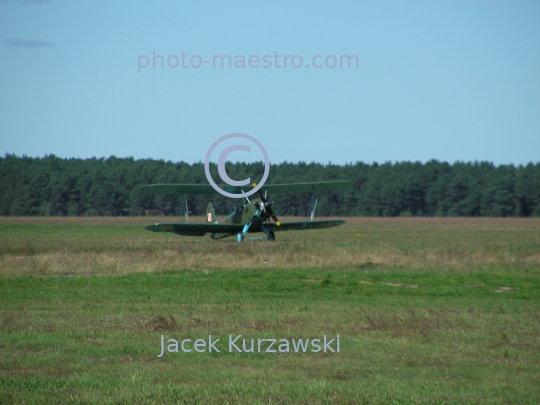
<point>254,215</point>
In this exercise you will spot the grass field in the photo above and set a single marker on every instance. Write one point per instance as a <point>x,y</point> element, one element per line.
<point>428,311</point>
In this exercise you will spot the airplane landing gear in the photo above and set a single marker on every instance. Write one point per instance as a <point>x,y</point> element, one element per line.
<point>239,237</point>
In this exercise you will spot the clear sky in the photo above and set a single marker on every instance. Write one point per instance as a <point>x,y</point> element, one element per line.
<point>446,80</point>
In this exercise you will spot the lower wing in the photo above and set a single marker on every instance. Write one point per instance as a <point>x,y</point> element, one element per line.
<point>202,229</point>
<point>301,226</point>
<point>195,229</point>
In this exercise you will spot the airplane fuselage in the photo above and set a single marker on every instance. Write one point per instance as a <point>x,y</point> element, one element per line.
<point>246,214</point>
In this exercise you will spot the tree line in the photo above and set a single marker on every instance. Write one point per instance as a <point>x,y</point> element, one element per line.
<point>53,186</point>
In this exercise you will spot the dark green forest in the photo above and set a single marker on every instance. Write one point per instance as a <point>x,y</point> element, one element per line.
<point>53,186</point>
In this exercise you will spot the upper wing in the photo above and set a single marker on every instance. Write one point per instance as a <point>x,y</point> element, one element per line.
<point>292,188</point>
<point>314,187</point>
<point>179,189</point>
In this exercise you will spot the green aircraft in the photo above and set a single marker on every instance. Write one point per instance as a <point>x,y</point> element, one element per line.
<point>253,216</point>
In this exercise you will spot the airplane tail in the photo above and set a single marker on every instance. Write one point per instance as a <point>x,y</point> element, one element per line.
<point>211,214</point>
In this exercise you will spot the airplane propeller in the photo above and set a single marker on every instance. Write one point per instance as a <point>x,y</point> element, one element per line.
<point>265,207</point>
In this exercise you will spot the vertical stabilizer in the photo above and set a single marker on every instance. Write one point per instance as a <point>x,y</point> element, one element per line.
<point>211,214</point>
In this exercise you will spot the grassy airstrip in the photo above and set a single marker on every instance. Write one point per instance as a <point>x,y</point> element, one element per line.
<point>428,311</point>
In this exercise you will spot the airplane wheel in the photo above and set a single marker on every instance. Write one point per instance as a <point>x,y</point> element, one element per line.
<point>239,237</point>
<point>271,236</point>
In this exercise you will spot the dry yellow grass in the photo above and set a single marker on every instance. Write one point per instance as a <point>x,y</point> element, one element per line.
<point>104,245</point>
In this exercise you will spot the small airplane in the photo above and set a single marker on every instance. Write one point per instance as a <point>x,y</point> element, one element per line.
<point>253,216</point>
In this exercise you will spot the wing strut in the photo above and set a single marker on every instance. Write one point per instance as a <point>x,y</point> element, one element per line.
<point>185,209</point>
<point>312,205</point>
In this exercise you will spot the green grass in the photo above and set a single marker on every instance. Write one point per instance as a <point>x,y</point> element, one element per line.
<point>454,319</point>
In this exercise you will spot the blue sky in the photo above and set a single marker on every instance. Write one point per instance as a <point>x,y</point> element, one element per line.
<point>446,80</point>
